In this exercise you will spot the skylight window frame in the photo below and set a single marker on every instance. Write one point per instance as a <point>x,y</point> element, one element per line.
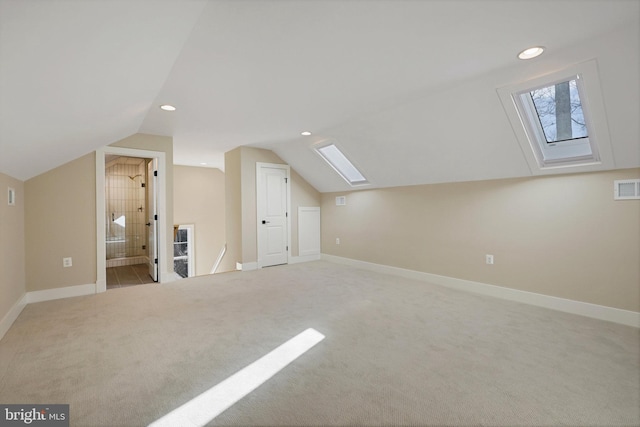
<point>547,158</point>
<point>333,164</point>
<point>555,153</point>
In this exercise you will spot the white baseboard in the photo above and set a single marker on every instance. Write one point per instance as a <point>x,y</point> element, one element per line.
<point>249,266</point>
<point>58,293</point>
<point>304,258</point>
<point>12,315</point>
<point>101,286</point>
<point>625,317</point>
<point>169,277</point>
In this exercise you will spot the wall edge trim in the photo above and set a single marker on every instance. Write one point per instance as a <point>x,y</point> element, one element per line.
<point>304,258</point>
<point>249,266</point>
<point>59,293</point>
<point>12,315</point>
<point>601,312</point>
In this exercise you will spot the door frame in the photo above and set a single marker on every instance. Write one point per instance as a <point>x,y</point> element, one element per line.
<point>161,190</point>
<point>152,215</point>
<point>287,168</point>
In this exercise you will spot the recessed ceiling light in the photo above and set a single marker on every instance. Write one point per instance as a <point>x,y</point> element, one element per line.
<point>167,107</point>
<point>305,133</point>
<point>531,52</point>
<point>203,163</point>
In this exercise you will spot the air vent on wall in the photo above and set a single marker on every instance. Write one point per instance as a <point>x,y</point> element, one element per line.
<point>626,189</point>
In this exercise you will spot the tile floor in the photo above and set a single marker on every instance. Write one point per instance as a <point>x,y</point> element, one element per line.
<point>128,275</point>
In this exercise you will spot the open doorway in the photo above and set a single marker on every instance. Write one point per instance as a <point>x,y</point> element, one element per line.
<point>130,226</point>
<point>128,209</point>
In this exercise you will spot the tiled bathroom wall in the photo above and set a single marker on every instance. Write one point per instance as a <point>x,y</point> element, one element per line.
<point>125,208</point>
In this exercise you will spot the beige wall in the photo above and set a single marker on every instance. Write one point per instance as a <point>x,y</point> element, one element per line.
<point>12,245</point>
<point>60,221</point>
<point>60,218</point>
<point>562,236</point>
<point>240,170</point>
<point>199,199</point>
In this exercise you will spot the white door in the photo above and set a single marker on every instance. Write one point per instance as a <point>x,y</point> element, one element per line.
<point>152,218</point>
<point>272,189</point>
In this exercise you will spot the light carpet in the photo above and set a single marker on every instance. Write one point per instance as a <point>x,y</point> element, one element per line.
<point>396,352</point>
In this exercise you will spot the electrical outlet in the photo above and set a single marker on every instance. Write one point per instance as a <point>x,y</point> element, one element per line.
<point>489,259</point>
<point>337,240</point>
<point>67,262</point>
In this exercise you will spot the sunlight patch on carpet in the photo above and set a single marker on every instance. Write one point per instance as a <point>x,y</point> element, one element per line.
<point>203,408</point>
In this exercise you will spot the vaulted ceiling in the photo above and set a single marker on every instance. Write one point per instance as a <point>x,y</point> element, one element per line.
<point>406,88</point>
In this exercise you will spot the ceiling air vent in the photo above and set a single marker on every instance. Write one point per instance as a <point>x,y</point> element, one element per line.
<point>626,189</point>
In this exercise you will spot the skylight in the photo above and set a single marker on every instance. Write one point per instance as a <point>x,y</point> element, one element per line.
<point>559,111</point>
<point>555,121</point>
<point>339,162</point>
<point>556,117</point>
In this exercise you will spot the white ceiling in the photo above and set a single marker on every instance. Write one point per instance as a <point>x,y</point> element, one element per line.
<point>406,88</point>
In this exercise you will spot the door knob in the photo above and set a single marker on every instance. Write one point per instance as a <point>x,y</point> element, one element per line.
<point>264,221</point>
